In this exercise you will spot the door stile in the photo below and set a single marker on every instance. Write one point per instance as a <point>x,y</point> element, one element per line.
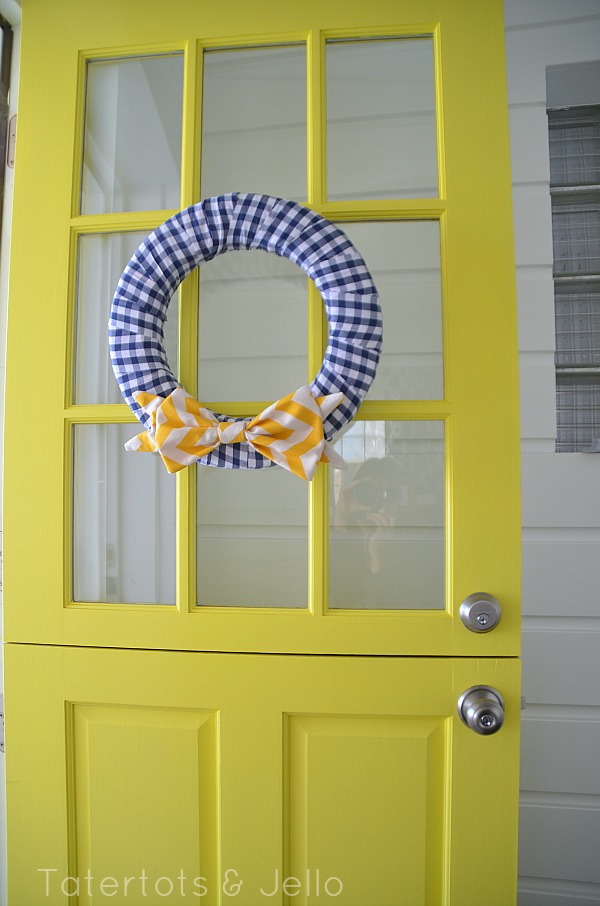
<point>316,120</point>
<point>191,120</point>
<point>188,295</point>
<point>185,568</point>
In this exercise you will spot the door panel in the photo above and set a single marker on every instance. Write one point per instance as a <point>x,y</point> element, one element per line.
<point>353,776</point>
<point>144,129</point>
<point>385,776</point>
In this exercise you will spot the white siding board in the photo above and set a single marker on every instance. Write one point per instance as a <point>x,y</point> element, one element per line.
<point>541,12</point>
<point>533,225</point>
<point>535,294</point>
<point>562,668</point>
<point>544,892</point>
<point>538,397</point>
<point>530,158</point>
<point>560,814</point>
<point>530,50</point>
<point>549,568</point>
<point>561,490</point>
<point>563,842</point>
<point>558,755</point>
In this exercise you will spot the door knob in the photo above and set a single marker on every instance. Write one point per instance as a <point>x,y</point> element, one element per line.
<point>482,709</point>
<point>480,612</point>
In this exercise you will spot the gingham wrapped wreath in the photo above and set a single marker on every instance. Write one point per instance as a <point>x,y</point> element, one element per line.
<point>293,432</point>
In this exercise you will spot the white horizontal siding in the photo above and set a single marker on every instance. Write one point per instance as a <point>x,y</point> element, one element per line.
<point>533,224</point>
<point>550,761</point>
<point>541,892</point>
<point>538,400</point>
<point>560,764</point>
<point>535,291</point>
<point>551,560</point>
<point>530,50</point>
<point>562,490</point>
<point>563,838</point>
<point>528,13</point>
<point>529,123</point>
<point>563,667</point>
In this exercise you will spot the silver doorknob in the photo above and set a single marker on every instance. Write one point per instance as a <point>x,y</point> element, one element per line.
<point>482,709</point>
<point>480,612</point>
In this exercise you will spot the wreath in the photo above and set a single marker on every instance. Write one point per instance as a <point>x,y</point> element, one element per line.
<point>293,432</point>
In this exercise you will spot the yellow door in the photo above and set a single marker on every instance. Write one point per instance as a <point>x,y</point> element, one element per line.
<point>285,695</point>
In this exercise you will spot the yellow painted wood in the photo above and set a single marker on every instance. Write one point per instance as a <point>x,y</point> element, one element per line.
<point>202,763</point>
<point>316,122</point>
<point>169,761</point>
<point>119,222</point>
<point>192,133</point>
<point>480,408</point>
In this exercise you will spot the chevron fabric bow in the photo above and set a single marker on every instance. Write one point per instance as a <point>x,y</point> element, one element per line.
<point>289,432</point>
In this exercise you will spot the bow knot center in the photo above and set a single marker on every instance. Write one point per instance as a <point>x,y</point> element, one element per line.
<point>231,432</point>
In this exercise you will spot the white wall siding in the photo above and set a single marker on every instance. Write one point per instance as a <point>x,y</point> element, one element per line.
<point>553,559</point>
<point>560,762</point>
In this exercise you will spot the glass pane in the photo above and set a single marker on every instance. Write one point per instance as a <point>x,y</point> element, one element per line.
<point>252,538</point>
<point>577,413</point>
<point>132,142</point>
<point>253,327</point>
<point>387,518</point>
<point>576,235</point>
<point>404,258</point>
<point>254,122</point>
<point>381,125</point>
<point>101,260</point>
<point>575,146</point>
<point>123,520</point>
<point>577,309</point>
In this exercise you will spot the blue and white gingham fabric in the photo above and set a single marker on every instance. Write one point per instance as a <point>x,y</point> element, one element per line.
<point>246,221</point>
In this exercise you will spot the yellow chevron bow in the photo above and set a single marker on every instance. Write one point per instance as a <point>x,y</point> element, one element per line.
<point>289,432</point>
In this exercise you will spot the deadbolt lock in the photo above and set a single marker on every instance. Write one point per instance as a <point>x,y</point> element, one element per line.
<point>480,612</point>
<point>482,709</point>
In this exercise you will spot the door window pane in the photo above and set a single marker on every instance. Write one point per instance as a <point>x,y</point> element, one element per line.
<point>254,121</point>
<point>132,142</point>
<point>381,121</point>
<point>404,258</point>
<point>252,327</point>
<point>387,544</point>
<point>123,520</point>
<point>252,538</point>
<point>101,260</point>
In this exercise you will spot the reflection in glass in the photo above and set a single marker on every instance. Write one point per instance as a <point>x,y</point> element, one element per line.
<point>387,518</point>
<point>132,141</point>
<point>381,121</point>
<point>101,260</point>
<point>123,520</point>
<point>254,121</point>
<point>404,258</point>
<point>252,538</point>
<point>252,327</point>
